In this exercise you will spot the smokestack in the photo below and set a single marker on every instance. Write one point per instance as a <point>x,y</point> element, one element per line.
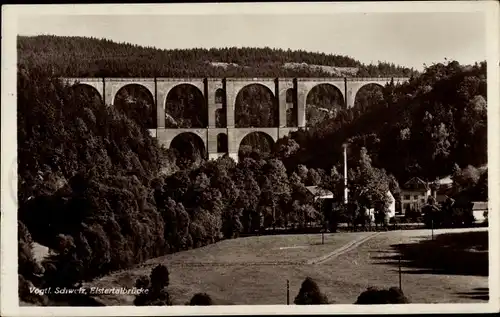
<point>345,173</point>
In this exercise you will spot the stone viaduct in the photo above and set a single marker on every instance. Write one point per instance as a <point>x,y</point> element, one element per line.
<point>289,93</point>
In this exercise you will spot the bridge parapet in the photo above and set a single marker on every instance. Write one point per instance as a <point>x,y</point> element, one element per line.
<point>319,79</point>
<point>362,79</point>
<point>256,79</point>
<point>126,79</point>
<point>81,79</point>
<point>366,79</point>
<point>401,78</point>
<point>185,79</point>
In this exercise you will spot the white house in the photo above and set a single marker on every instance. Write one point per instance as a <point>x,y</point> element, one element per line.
<point>480,211</point>
<point>391,208</point>
<point>392,204</point>
<point>414,194</point>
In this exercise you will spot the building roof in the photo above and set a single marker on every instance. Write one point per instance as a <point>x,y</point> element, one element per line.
<point>479,205</point>
<point>445,181</point>
<point>40,252</point>
<point>415,184</point>
<point>319,192</point>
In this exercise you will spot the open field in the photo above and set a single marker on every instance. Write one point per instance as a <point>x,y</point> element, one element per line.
<point>254,270</point>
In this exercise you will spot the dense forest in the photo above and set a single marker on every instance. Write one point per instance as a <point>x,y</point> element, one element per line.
<point>422,128</point>
<point>96,188</point>
<point>92,57</point>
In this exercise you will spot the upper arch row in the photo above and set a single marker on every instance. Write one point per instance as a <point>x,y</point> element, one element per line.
<point>159,88</point>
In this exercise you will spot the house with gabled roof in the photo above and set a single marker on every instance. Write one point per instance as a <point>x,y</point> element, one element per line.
<point>414,194</point>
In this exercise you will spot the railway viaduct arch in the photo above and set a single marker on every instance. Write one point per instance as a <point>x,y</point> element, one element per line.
<point>209,87</point>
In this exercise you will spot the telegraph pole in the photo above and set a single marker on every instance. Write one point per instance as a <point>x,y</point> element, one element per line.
<point>345,173</point>
<point>399,264</point>
<point>432,229</point>
<point>287,292</point>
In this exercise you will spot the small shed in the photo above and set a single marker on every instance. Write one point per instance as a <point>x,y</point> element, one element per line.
<point>480,210</point>
<point>323,198</point>
<point>319,193</point>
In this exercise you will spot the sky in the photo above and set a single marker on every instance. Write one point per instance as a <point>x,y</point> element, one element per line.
<point>407,39</point>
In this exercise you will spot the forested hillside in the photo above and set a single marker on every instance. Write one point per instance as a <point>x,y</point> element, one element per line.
<point>422,128</point>
<point>97,189</point>
<point>91,57</point>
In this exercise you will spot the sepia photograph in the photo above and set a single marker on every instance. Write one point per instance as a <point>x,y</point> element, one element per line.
<point>274,156</point>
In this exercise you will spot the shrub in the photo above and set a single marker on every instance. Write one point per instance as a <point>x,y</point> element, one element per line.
<point>310,294</point>
<point>201,299</point>
<point>159,277</point>
<point>374,295</point>
<point>157,294</point>
<point>142,282</point>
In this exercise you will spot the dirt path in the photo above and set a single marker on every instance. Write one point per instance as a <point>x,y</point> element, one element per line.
<point>345,248</point>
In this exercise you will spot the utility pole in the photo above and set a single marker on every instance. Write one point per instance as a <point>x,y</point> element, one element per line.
<point>287,292</point>
<point>400,286</point>
<point>345,173</point>
<point>432,229</point>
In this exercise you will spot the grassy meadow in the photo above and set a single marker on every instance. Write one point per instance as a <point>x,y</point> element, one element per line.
<point>451,268</point>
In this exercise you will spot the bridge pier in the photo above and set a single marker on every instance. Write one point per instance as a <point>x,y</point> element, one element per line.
<point>213,84</point>
<point>215,136</point>
<point>284,86</point>
<point>352,89</point>
<point>230,103</point>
